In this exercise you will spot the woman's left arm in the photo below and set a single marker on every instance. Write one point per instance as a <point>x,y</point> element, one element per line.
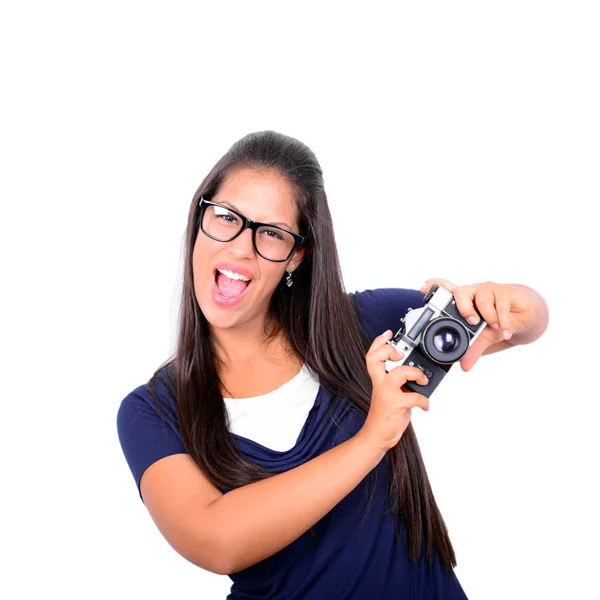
<point>515,313</point>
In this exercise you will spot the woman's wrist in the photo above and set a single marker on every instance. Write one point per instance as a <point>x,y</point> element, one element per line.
<point>369,447</point>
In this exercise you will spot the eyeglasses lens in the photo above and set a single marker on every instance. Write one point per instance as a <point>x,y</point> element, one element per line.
<point>271,242</point>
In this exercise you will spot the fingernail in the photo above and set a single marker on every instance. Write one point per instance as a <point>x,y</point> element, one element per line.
<point>473,320</point>
<point>495,326</point>
<point>507,334</point>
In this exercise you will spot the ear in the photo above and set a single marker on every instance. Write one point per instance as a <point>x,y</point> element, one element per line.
<point>295,259</point>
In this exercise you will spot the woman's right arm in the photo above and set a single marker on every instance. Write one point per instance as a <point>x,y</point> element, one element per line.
<point>226,533</point>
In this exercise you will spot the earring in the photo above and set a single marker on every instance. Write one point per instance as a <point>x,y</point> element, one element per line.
<point>288,279</point>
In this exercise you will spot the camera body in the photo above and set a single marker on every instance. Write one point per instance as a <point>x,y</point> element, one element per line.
<point>433,338</point>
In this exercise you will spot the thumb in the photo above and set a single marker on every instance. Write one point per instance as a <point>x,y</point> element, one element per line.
<point>475,351</point>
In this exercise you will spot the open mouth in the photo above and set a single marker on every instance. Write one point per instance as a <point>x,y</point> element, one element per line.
<point>230,284</point>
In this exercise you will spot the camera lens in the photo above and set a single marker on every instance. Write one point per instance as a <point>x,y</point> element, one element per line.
<point>445,340</point>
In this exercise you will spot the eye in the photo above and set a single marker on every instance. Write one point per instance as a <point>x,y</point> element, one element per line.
<point>227,217</point>
<point>273,233</point>
<point>222,214</point>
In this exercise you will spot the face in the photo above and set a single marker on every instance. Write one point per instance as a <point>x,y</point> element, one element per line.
<point>228,302</point>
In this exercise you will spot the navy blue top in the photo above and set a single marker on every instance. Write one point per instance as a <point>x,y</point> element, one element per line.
<point>347,560</point>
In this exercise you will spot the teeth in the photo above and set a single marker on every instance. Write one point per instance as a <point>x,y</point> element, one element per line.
<point>233,275</point>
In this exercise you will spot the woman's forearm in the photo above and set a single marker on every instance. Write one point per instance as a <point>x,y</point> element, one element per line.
<point>259,519</point>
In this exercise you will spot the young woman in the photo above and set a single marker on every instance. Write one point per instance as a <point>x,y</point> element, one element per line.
<point>274,447</point>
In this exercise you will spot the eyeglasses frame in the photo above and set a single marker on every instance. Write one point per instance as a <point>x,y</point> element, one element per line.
<point>247,223</point>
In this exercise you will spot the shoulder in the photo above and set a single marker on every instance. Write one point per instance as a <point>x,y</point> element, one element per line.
<point>154,398</point>
<point>381,309</point>
<point>147,425</point>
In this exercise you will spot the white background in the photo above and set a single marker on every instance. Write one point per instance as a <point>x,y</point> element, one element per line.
<point>457,139</point>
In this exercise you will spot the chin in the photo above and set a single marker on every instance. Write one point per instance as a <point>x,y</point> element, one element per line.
<point>218,320</point>
<point>217,316</point>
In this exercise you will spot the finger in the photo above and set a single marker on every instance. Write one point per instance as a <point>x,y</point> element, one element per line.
<point>380,341</point>
<point>503,300</point>
<point>400,375</point>
<point>438,281</point>
<point>412,399</point>
<point>464,298</point>
<point>375,360</point>
<point>485,302</point>
<point>387,352</point>
<point>478,347</point>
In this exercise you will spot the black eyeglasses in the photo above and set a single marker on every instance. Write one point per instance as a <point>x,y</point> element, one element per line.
<point>224,224</point>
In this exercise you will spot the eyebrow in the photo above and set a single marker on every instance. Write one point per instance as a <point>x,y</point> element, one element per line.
<point>232,205</point>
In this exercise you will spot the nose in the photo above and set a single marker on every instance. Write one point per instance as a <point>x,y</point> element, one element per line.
<point>242,246</point>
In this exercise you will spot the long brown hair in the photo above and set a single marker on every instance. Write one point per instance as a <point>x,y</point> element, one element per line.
<point>317,317</point>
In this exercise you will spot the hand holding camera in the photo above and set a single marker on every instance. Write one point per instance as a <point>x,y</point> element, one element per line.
<point>406,369</point>
<point>433,338</point>
<point>390,411</point>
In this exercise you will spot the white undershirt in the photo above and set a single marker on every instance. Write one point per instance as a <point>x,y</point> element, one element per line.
<point>275,420</point>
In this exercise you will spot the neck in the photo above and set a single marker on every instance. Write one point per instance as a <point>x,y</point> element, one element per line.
<point>240,344</point>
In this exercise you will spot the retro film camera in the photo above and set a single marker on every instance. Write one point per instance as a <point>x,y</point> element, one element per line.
<point>433,338</point>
